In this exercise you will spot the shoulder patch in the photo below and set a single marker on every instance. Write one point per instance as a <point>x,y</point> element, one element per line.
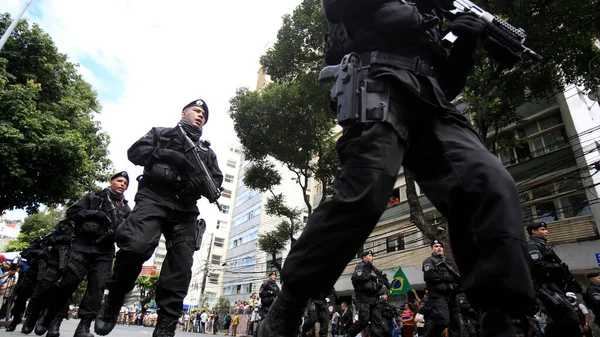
<point>534,255</point>
<point>596,297</point>
<point>427,267</point>
<point>359,272</point>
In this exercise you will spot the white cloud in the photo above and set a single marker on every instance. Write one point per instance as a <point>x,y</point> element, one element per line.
<point>163,55</point>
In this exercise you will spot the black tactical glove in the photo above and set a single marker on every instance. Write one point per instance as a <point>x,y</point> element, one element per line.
<point>100,215</point>
<point>173,157</point>
<point>467,25</point>
<point>501,53</point>
<point>196,181</point>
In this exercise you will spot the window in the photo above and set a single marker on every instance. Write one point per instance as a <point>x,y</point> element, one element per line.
<point>213,278</point>
<point>271,266</point>
<point>243,238</point>
<point>246,288</point>
<point>395,243</point>
<point>555,200</point>
<point>224,209</point>
<point>247,195</point>
<point>219,242</point>
<point>210,297</point>
<point>226,193</point>
<point>215,259</point>
<point>231,163</point>
<point>246,215</point>
<point>534,140</point>
<point>228,178</point>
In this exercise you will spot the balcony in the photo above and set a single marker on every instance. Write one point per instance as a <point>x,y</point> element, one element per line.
<point>402,211</point>
<point>582,228</point>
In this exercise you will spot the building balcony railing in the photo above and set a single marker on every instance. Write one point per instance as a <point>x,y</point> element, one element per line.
<point>581,228</point>
<point>571,230</point>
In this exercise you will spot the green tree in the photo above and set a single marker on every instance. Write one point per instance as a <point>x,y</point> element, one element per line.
<point>222,306</point>
<point>289,120</point>
<point>562,32</point>
<point>34,226</point>
<point>79,292</point>
<point>51,149</point>
<point>147,288</point>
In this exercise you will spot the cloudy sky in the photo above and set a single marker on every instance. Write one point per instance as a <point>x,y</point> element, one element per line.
<point>147,59</point>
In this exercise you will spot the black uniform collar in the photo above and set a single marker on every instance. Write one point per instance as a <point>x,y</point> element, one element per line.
<point>538,238</point>
<point>436,256</point>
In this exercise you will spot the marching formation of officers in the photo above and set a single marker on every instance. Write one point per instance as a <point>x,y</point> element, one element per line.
<point>445,305</point>
<point>83,244</point>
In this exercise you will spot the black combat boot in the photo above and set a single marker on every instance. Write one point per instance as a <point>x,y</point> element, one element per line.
<point>42,325</point>
<point>83,329</point>
<point>54,328</point>
<point>165,327</point>
<point>107,317</point>
<point>496,323</point>
<point>284,317</point>
<point>13,324</point>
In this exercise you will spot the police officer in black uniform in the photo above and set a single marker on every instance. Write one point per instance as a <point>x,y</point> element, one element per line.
<point>317,311</point>
<point>592,295</point>
<point>546,271</point>
<point>52,267</point>
<point>268,292</point>
<point>443,285</point>
<point>96,216</point>
<point>27,280</point>
<point>165,204</point>
<point>410,80</point>
<point>367,288</point>
<point>470,317</point>
<point>384,313</point>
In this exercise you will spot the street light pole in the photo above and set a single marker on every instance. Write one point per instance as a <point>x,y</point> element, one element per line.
<point>13,25</point>
<point>203,287</point>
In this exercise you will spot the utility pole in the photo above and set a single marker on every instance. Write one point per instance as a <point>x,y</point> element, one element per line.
<point>13,25</point>
<point>205,273</point>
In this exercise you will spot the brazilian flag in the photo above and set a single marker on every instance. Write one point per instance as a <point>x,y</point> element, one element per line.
<point>400,283</point>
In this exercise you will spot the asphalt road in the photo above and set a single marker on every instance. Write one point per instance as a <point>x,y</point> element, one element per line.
<point>67,329</point>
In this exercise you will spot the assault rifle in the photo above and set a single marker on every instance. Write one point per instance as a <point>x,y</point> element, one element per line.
<point>382,277</point>
<point>453,272</point>
<point>504,33</point>
<point>565,280</point>
<point>113,217</point>
<point>213,192</point>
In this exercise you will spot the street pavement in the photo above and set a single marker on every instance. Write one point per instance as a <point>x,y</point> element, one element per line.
<point>67,329</point>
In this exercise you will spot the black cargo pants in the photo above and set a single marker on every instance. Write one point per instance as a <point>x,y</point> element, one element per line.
<point>318,313</point>
<point>365,308</point>
<point>137,238</point>
<point>457,173</point>
<point>97,268</point>
<point>444,314</point>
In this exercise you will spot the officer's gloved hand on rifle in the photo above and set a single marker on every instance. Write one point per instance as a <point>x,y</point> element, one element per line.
<point>94,214</point>
<point>173,157</point>
<point>469,28</point>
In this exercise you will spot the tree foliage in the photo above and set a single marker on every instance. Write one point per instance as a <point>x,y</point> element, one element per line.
<point>562,32</point>
<point>147,286</point>
<point>288,120</point>
<point>34,226</point>
<point>51,150</point>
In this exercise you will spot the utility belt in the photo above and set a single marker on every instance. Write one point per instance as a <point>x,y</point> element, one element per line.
<point>446,289</point>
<point>361,99</point>
<point>418,63</point>
<point>173,191</point>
